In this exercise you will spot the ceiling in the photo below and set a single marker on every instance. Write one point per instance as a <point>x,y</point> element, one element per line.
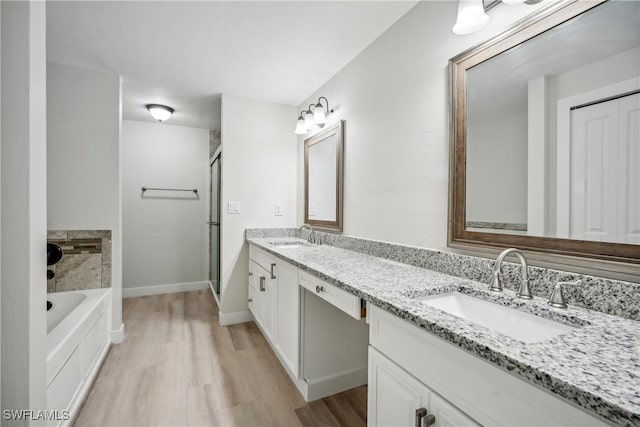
<point>186,54</point>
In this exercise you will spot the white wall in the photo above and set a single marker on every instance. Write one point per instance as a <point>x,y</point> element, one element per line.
<point>394,98</point>
<point>165,238</point>
<point>83,159</point>
<point>258,170</point>
<point>497,170</point>
<point>23,192</point>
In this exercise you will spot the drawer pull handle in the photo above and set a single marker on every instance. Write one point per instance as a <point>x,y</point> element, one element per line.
<point>250,273</point>
<point>273,273</point>
<point>262,288</point>
<point>424,418</point>
<point>250,300</point>
<point>319,289</point>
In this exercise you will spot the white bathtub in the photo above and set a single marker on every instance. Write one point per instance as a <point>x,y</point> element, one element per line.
<point>78,340</point>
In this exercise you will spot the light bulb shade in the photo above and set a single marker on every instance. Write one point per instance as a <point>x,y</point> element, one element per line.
<point>471,17</point>
<point>308,120</point>
<point>319,116</point>
<point>160,112</point>
<point>300,128</point>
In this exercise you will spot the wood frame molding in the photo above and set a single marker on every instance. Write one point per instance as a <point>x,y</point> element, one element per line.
<point>338,131</point>
<point>537,23</point>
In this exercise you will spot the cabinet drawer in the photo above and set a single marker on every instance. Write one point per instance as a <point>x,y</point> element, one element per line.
<point>343,300</point>
<point>264,260</point>
<point>458,376</point>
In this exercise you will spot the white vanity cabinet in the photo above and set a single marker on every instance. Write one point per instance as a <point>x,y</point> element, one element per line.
<point>315,328</point>
<point>398,399</point>
<point>288,316</point>
<point>411,368</point>
<point>262,295</point>
<point>273,301</point>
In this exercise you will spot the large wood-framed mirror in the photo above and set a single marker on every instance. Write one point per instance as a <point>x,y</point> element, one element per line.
<point>545,139</point>
<point>323,168</point>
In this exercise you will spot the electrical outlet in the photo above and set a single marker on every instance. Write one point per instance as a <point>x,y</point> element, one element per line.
<point>312,210</point>
<point>277,209</point>
<point>233,208</point>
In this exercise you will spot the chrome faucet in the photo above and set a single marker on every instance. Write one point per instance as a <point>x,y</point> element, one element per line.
<point>312,235</point>
<point>496,282</point>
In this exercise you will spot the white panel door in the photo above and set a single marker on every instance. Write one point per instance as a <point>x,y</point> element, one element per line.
<point>629,170</point>
<point>605,171</point>
<point>593,176</point>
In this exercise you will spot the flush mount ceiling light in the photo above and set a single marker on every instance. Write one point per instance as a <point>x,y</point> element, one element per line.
<point>315,115</point>
<point>160,112</point>
<point>472,14</point>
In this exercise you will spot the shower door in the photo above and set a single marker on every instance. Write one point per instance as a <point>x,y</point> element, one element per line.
<point>214,224</point>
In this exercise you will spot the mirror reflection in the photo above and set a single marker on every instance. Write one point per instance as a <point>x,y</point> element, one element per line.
<point>553,132</point>
<point>323,178</point>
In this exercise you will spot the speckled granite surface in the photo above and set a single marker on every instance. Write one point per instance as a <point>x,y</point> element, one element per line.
<point>596,366</point>
<point>615,297</point>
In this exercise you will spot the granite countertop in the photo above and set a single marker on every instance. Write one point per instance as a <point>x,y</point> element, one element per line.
<point>596,366</point>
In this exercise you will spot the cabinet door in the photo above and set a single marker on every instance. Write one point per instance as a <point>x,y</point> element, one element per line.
<point>271,309</point>
<point>446,414</point>
<point>259,304</point>
<point>288,308</point>
<point>394,395</point>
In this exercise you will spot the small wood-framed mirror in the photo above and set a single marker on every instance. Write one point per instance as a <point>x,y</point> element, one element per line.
<point>323,168</point>
<point>533,164</point>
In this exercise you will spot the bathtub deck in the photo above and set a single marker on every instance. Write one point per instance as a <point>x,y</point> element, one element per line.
<point>179,367</point>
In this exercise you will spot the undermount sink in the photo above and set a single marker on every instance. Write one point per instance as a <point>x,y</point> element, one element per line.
<point>508,321</point>
<point>290,243</point>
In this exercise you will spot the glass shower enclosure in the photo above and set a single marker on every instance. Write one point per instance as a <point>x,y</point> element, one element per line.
<point>214,223</point>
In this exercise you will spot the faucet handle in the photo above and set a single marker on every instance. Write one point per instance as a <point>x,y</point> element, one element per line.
<point>496,281</point>
<point>557,298</point>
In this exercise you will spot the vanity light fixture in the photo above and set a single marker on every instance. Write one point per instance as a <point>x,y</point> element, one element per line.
<point>320,113</point>
<point>300,129</point>
<point>472,14</point>
<point>471,17</point>
<point>315,115</point>
<point>160,112</point>
<point>308,119</point>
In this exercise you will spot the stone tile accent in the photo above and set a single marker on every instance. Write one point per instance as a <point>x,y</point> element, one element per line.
<point>86,263</point>
<point>78,271</point>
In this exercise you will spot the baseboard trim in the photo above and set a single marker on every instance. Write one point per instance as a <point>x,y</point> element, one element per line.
<point>233,318</point>
<point>318,388</point>
<point>117,335</point>
<point>171,288</point>
<point>216,297</point>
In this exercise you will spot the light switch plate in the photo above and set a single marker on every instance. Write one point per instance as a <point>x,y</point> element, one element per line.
<point>277,209</point>
<point>233,208</point>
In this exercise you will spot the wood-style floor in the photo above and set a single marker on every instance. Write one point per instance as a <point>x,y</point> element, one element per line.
<point>178,367</point>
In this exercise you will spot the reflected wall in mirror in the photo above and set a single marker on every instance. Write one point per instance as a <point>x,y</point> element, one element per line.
<point>323,178</point>
<point>546,134</point>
